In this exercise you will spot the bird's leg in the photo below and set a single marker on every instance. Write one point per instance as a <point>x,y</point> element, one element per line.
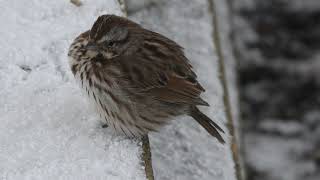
<point>106,124</point>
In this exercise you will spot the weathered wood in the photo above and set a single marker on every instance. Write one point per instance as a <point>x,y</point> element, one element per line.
<point>222,32</point>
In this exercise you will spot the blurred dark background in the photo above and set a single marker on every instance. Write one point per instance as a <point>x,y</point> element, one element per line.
<point>278,48</point>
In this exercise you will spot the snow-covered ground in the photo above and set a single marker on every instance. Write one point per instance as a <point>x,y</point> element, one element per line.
<point>47,130</point>
<point>183,150</point>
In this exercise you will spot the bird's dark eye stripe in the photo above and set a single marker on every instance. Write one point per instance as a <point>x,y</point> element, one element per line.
<point>114,42</point>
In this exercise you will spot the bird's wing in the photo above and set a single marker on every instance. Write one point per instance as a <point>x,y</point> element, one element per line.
<point>161,70</point>
<point>178,90</point>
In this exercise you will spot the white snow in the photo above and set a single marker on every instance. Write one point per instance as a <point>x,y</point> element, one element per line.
<point>47,130</point>
<point>183,150</point>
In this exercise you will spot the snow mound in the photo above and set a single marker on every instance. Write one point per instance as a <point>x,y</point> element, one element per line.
<point>47,129</point>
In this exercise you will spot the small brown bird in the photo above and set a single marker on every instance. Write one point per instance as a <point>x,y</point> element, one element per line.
<point>137,79</point>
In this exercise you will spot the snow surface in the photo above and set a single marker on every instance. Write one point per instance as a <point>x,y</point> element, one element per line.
<point>183,150</point>
<point>47,130</point>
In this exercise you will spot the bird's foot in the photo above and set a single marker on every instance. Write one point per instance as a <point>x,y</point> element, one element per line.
<point>105,126</point>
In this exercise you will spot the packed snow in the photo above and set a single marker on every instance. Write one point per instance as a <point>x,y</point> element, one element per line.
<point>47,129</point>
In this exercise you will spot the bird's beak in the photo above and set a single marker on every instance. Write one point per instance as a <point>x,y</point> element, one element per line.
<point>92,46</point>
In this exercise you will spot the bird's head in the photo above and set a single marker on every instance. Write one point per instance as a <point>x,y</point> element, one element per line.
<point>110,37</point>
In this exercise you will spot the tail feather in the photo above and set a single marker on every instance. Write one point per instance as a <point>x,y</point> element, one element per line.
<point>207,123</point>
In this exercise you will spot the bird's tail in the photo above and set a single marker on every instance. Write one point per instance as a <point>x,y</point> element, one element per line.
<point>207,123</point>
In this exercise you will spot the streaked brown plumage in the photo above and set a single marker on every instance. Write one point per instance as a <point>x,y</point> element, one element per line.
<point>137,79</point>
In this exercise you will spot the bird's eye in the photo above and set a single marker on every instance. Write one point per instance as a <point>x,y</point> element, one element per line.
<point>110,44</point>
